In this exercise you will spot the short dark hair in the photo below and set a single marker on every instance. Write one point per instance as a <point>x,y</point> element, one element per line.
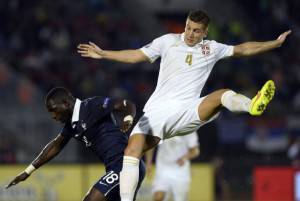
<point>58,95</point>
<point>199,16</point>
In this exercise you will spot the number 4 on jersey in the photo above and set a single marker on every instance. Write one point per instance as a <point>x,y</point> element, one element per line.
<point>189,59</point>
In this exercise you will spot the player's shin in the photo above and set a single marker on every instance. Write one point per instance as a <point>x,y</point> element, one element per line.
<point>129,177</point>
<point>235,102</point>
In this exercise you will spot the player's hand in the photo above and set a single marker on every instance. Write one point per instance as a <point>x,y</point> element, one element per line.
<point>181,161</point>
<point>90,50</point>
<point>126,126</point>
<point>21,177</point>
<point>283,36</point>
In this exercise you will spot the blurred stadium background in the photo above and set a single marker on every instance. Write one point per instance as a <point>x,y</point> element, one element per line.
<point>241,158</point>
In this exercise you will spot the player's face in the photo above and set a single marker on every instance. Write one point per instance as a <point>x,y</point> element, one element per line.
<point>59,112</point>
<point>194,32</point>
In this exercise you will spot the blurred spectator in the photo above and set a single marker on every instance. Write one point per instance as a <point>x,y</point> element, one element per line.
<point>7,148</point>
<point>267,137</point>
<point>294,153</point>
<point>38,40</point>
<point>222,188</point>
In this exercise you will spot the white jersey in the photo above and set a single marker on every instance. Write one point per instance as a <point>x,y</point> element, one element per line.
<point>183,69</point>
<point>170,151</point>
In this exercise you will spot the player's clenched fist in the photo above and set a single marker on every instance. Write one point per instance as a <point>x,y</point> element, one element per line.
<point>127,123</point>
<point>90,50</point>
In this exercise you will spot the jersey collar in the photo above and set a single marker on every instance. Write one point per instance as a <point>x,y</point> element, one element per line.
<point>75,116</point>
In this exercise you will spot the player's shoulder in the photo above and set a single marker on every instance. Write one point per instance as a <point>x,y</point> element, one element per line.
<point>97,100</point>
<point>92,99</point>
<point>170,37</point>
<point>210,42</point>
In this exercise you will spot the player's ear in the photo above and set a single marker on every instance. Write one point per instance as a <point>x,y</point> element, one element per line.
<point>206,32</point>
<point>66,103</point>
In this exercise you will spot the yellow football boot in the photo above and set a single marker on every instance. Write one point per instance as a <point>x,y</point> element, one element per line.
<point>262,98</point>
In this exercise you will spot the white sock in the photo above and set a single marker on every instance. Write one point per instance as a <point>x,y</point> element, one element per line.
<point>235,102</point>
<point>129,177</point>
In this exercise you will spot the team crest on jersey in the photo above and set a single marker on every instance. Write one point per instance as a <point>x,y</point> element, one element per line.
<point>205,49</point>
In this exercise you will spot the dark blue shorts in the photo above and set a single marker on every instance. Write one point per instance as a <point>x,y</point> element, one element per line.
<point>108,184</point>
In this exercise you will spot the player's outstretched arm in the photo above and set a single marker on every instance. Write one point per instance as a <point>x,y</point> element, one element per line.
<point>125,56</point>
<point>253,48</point>
<point>49,152</point>
<point>125,111</point>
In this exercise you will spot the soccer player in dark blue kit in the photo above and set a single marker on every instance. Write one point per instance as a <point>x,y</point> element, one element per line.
<point>99,123</point>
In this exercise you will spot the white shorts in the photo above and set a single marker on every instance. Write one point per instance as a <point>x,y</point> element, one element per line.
<point>171,119</point>
<point>179,189</point>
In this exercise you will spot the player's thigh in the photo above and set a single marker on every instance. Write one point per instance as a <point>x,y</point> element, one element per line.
<point>210,105</point>
<point>94,195</point>
<point>185,119</point>
<point>150,124</point>
<point>108,184</point>
<point>139,144</point>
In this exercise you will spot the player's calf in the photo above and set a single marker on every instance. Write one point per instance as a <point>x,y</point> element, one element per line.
<point>94,195</point>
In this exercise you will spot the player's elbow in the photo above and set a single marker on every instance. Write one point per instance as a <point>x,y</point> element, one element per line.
<point>133,151</point>
<point>137,56</point>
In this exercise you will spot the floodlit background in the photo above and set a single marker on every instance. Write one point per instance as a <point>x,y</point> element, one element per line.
<point>242,158</point>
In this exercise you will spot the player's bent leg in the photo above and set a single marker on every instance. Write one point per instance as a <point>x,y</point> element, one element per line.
<point>94,195</point>
<point>224,97</point>
<point>138,144</point>
<point>135,147</point>
<point>130,170</point>
<point>159,196</point>
<point>211,105</point>
<point>262,98</point>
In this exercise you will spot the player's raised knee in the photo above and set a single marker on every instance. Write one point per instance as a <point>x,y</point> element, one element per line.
<point>222,91</point>
<point>133,151</point>
<point>217,95</point>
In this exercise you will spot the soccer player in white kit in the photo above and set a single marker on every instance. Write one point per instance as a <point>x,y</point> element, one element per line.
<point>174,107</point>
<point>173,167</point>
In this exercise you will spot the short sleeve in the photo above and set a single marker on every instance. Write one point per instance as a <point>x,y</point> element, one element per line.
<point>192,140</point>
<point>222,50</point>
<point>154,49</point>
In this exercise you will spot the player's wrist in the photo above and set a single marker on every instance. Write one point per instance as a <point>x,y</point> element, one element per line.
<point>185,158</point>
<point>30,169</point>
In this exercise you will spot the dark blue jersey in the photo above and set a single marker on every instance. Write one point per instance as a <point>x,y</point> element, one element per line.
<point>95,126</point>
